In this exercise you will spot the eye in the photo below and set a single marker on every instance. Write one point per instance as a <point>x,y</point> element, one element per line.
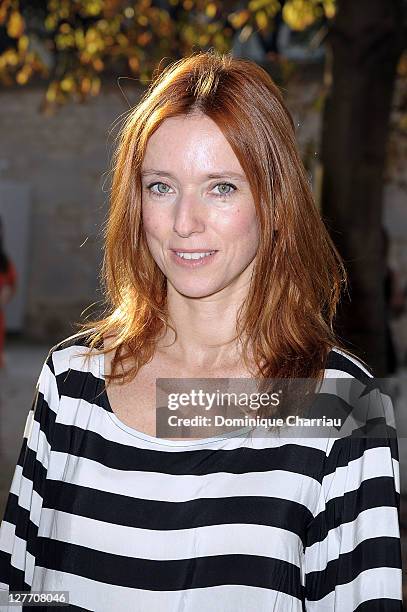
<point>223,193</point>
<point>157,193</point>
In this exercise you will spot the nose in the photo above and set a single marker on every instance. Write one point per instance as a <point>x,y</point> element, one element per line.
<point>188,216</point>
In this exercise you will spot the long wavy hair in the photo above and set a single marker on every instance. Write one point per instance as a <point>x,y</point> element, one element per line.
<point>287,318</point>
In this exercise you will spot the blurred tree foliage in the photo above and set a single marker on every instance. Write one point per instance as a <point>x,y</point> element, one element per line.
<point>72,43</point>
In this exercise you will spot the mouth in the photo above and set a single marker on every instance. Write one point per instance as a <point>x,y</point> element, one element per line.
<point>193,258</point>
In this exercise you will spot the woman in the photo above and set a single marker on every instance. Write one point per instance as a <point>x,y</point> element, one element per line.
<point>8,282</point>
<point>123,519</point>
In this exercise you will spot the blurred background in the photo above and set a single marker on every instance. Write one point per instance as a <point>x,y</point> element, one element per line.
<point>68,73</point>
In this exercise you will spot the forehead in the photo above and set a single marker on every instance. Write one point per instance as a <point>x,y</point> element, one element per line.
<point>188,143</point>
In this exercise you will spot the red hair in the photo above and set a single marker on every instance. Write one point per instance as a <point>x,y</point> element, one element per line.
<point>287,318</point>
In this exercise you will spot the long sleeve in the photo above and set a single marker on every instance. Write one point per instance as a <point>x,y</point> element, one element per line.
<point>19,528</point>
<point>353,550</point>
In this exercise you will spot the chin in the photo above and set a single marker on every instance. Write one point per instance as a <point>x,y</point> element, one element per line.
<point>195,291</point>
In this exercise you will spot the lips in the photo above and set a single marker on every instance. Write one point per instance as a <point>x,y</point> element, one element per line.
<point>195,262</point>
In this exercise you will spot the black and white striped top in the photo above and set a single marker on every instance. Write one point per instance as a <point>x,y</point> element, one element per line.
<point>125,521</point>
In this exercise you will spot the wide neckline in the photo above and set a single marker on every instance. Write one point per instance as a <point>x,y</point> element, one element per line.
<point>153,439</point>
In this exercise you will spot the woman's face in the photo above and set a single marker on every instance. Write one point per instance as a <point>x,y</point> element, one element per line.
<point>196,197</point>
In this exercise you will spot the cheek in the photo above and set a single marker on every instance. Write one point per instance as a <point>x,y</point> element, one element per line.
<point>154,222</point>
<point>240,226</point>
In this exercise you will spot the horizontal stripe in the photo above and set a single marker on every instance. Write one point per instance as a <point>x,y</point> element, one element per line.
<point>382,552</point>
<point>15,578</point>
<point>92,417</point>
<point>19,554</point>
<point>378,605</point>
<point>47,386</point>
<point>345,450</point>
<point>373,493</point>
<point>256,521</point>
<point>73,357</point>
<point>88,595</point>
<point>23,488</point>
<point>151,544</point>
<point>161,515</point>
<point>374,463</point>
<point>18,548</point>
<point>368,585</point>
<point>340,360</point>
<point>17,523</point>
<point>88,444</point>
<point>164,487</point>
<point>171,575</point>
<point>372,523</point>
<point>37,451</point>
<point>81,385</point>
<point>44,414</point>
<point>376,428</point>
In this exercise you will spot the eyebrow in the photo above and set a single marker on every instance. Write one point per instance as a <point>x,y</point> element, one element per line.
<point>212,175</point>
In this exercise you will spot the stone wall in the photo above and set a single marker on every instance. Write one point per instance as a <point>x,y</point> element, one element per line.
<point>64,158</point>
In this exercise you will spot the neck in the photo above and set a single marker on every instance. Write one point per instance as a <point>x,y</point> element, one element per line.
<point>206,328</point>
